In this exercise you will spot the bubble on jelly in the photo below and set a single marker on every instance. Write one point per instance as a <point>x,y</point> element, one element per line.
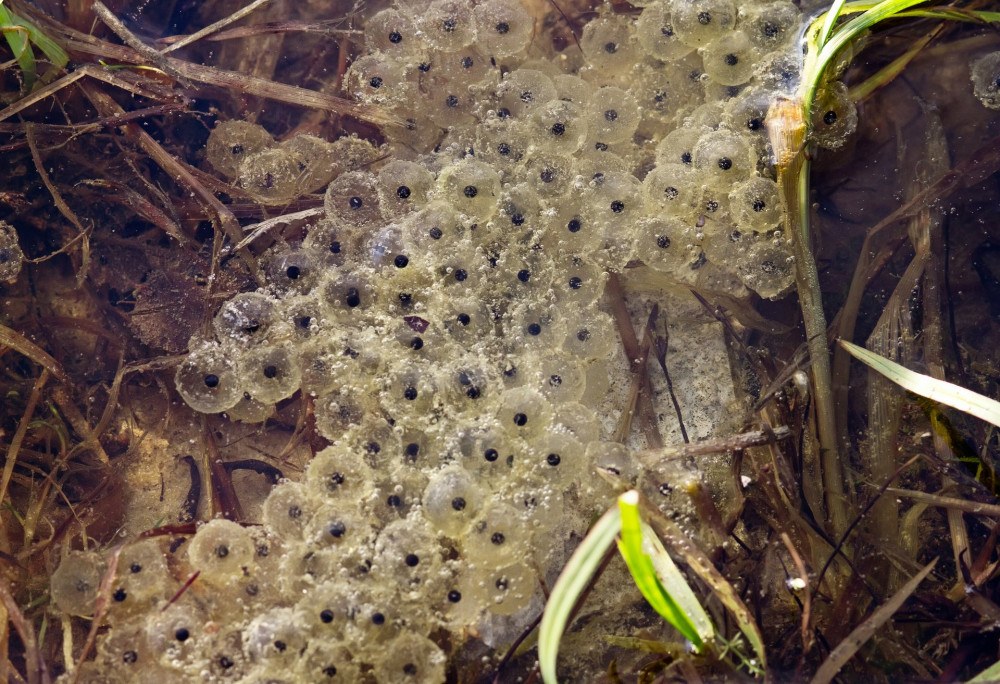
<point>11,256</point>
<point>231,142</point>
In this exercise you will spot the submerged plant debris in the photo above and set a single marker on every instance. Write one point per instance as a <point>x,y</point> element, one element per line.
<point>329,332</point>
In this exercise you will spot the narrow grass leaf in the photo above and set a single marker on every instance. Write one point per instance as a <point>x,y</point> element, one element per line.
<point>658,578</point>
<point>946,393</point>
<point>17,38</point>
<point>990,674</point>
<point>571,583</point>
<point>846,649</point>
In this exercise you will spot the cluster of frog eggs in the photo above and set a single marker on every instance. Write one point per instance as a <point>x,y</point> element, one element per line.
<point>442,316</point>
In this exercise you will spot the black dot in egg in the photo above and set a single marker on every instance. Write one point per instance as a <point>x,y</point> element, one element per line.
<point>610,115</point>
<point>503,149</point>
<point>378,619</point>
<point>293,272</point>
<point>461,274</point>
<point>395,37</point>
<point>617,206</point>
<point>375,82</point>
<point>830,118</point>
<point>524,275</point>
<point>412,560</point>
<point>129,657</point>
<point>758,205</point>
<point>470,191</point>
<point>558,128</point>
<point>330,671</point>
<point>402,192</point>
<point>667,30</point>
<point>294,512</point>
<point>424,67</point>
<point>534,329</point>
<point>463,318</point>
<point>280,646</point>
<point>120,595</point>
<point>435,233</point>
<point>135,568</point>
<point>401,261</point>
<point>355,203</point>
<point>497,538</point>
<point>575,283</point>
<point>503,113</point>
<point>225,662</point>
<point>410,393</point>
<point>491,455</point>
<point>237,149</point>
<point>574,225</point>
<point>685,157</point>
<point>601,147</point>
<point>725,163</point>
<point>467,62</point>
<point>182,634</point>
<point>410,669</point>
<point>704,18</point>
<point>520,419</point>
<point>502,27</point>
<point>517,219</point>
<point>304,321</point>
<point>454,596</point>
<point>611,47</point>
<point>221,551</point>
<point>393,501</point>
<point>553,459</point>
<point>335,247</point>
<point>449,24</point>
<point>555,380</point>
<point>458,503</point>
<point>326,616</point>
<point>337,529</point>
<point>731,59</point>
<point>451,101</point>
<point>211,380</point>
<point>662,241</point>
<point>547,175</point>
<point>270,372</point>
<point>583,335</point>
<point>353,298</point>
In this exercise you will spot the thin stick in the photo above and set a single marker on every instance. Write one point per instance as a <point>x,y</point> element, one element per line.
<point>151,55</point>
<point>37,671</point>
<point>21,344</point>
<point>258,229</point>
<point>660,343</point>
<point>212,28</point>
<point>974,507</point>
<point>22,430</point>
<point>807,597</point>
<point>718,445</point>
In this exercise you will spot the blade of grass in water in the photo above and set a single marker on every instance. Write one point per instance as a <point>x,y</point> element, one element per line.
<point>658,578</point>
<point>571,583</point>
<point>946,393</point>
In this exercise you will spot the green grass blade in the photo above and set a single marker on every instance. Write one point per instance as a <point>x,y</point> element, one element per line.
<point>49,47</point>
<point>990,674</point>
<point>659,580</point>
<point>571,583</point>
<point>17,39</point>
<point>964,400</point>
<point>831,19</point>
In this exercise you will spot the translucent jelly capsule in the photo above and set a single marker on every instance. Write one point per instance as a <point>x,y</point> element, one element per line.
<point>756,205</point>
<point>270,374</point>
<point>435,229</point>
<point>558,457</point>
<point>985,73</point>
<point>666,244</point>
<point>724,156</point>
<point>248,410</point>
<point>559,377</point>
<point>374,80</point>
<point>524,412</point>
<point>729,59</point>
<point>699,22</point>
<point>325,661</point>
<point>677,147</point>
<point>471,187</point>
<point>176,635</point>
<point>447,25</point>
<point>348,296</point>
<point>272,176</point>
<point>673,190</point>
<point>353,199</point>
<point>340,474</point>
<point>393,33</point>
<point>550,175</point>
<point>220,550</point>
<point>452,500</point>
<point>609,44</point>
<point>578,280</point>
<point>403,187</point>
<point>343,408</point>
<point>558,127</point>
<point>503,27</point>
<point>666,92</point>
<point>772,26</point>
<point>75,583</point>
<point>572,89</point>
<point>470,385</point>
<point>407,553</point>
<point>778,71</point>
<point>410,657</point>
<point>488,453</point>
<point>577,420</point>
<point>835,116</point>
<point>614,202</point>
<point>502,144</point>
<point>612,115</point>
<point>331,242</point>
<point>142,571</point>
<point>409,389</point>
<point>767,269</point>
<point>532,326</point>
<point>614,458</point>
<point>454,107</point>
<point>245,318</point>
<point>455,606</point>
<point>275,635</point>
<point>655,31</point>
<point>747,113</point>
<point>231,142</point>
<point>290,269</point>
<point>321,164</point>
<point>11,256</point>
<point>337,525</point>
<point>288,510</point>
<point>592,337</point>
<point>507,589</point>
<point>208,379</point>
<point>497,536</point>
<point>522,91</point>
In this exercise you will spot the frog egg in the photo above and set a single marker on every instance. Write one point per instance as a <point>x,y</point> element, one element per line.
<point>337,473</point>
<point>231,142</point>
<point>290,269</point>
<point>454,606</point>
<point>409,389</point>
<point>469,385</point>
<point>756,205</point>
<point>220,550</point>
<point>773,25</point>
<point>374,80</point>
<point>503,27</point>
<point>577,420</point>
<point>677,147</point>
<point>655,31</point>
<point>325,661</point>
<point>569,230</point>
<point>524,412</point>
<point>272,176</point>
<point>673,190</point>
<point>497,536</point>
<point>208,379</point>
<point>729,59</point>
<point>453,107</point>
<point>550,175</point>
<point>11,256</point>
<point>245,318</point>
<point>747,113</point>
<point>124,648</point>
<point>248,410</point>
<point>767,269</point>
<point>573,89</point>
<point>778,72</point>
<point>321,163</point>
<point>985,74</point>
<point>410,657</point>
<point>666,244</point>
<point>502,144</point>
<point>612,115</point>
<point>398,493</point>
<point>435,229</point>
<point>558,377</point>
<point>578,280</point>
<point>331,243</point>
<point>142,572</point>
<point>330,361</point>
<point>451,501</point>
<point>335,525</point>
<point>507,589</point>
<point>447,25</point>
<point>288,510</point>
<point>614,201</point>
<point>609,45</point>
<point>725,245</point>
<point>531,326</point>
<point>615,458</point>
<point>665,92</point>
<point>275,635</point>
<point>403,187</point>
<point>471,187</point>
<point>270,374</point>
<point>557,457</point>
<point>407,554</point>
<point>465,320</point>
<point>525,274</point>
<point>75,583</point>
<point>177,635</point>
<point>725,156</point>
<point>702,21</point>
<point>343,408</point>
<point>462,271</point>
<point>349,296</point>
<point>592,337</point>
<point>488,453</point>
<point>392,33</point>
<point>303,315</point>
<point>522,91</point>
<point>558,127</point>
<point>834,116</point>
<point>352,198</point>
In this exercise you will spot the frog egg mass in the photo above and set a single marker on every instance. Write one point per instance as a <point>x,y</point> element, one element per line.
<point>442,313</point>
